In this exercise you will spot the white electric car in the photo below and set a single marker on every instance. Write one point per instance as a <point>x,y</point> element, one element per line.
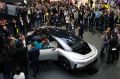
<point>64,47</point>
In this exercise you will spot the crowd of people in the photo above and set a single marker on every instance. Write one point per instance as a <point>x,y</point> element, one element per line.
<point>110,45</point>
<point>13,30</point>
<point>61,14</point>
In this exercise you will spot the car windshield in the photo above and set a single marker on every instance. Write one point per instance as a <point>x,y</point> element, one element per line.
<point>77,45</point>
<point>70,39</point>
<point>67,37</point>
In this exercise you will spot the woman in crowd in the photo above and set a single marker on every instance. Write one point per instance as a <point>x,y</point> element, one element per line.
<point>105,40</point>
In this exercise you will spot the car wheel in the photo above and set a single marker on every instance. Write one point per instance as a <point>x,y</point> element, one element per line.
<point>65,63</point>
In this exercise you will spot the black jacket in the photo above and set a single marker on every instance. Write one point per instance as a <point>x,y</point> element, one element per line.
<point>33,55</point>
<point>20,56</point>
<point>113,43</point>
<point>7,65</point>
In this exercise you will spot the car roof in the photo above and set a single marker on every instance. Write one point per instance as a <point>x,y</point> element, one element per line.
<point>51,30</point>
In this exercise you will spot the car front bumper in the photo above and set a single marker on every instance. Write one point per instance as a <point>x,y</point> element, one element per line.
<point>88,61</point>
<point>83,66</point>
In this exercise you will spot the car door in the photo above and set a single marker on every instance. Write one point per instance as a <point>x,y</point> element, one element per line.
<point>48,54</point>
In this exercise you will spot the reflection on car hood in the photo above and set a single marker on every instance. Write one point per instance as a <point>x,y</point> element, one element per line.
<point>78,56</point>
<point>81,48</point>
<point>63,44</point>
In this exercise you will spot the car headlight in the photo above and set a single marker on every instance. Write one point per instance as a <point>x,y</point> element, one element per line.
<point>80,65</point>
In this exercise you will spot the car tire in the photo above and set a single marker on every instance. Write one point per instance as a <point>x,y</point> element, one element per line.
<point>65,63</point>
<point>92,68</point>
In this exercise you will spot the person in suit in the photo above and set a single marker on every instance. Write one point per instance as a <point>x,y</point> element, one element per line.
<point>113,48</point>
<point>22,25</point>
<point>8,52</point>
<point>22,40</point>
<point>111,20</point>
<point>81,30</point>
<point>20,59</point>
<point>20,56</point>
<point>14,27</point>
<point>33,56</point>
<point>56,20</point>
<point>28,23</point>
<point>7,67</point>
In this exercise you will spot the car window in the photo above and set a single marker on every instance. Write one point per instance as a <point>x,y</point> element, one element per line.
<point>67,37</point>
<point>47,46</point>
<point>54,44</point>
<point>40,45</point>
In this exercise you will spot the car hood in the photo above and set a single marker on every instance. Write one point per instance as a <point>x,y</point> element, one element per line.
<point>77,56</point>
<point>81,47</point>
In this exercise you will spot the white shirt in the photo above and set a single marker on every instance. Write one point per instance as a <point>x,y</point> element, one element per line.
<point>21,22</point>
<point>118,38</point>
<point>25,1</point>
<point>20,76</point>
<point>28,20</point>
<point>76,14</point>
<point>29,12</point>
<point>65,13</point>
<point>24,43</point>
<point>67,18</point>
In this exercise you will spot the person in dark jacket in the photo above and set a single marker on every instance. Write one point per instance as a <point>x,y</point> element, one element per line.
<point>19,43</point>
<point>33,55</point>
<point>21,23</point>
<point>80,17</point>
<point>28,23</point>
<point>111,20</point>
<point>20,59</point>
<point>81,30</point>
<point>2,41</point>
<point>14,27</point>
<point>106,19</point>
<point>7,66</point>
<point>56,20</point>
<point>112,49</point>
<point>101,23</point>
<point>105,41</point>
<point>91,20</point>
